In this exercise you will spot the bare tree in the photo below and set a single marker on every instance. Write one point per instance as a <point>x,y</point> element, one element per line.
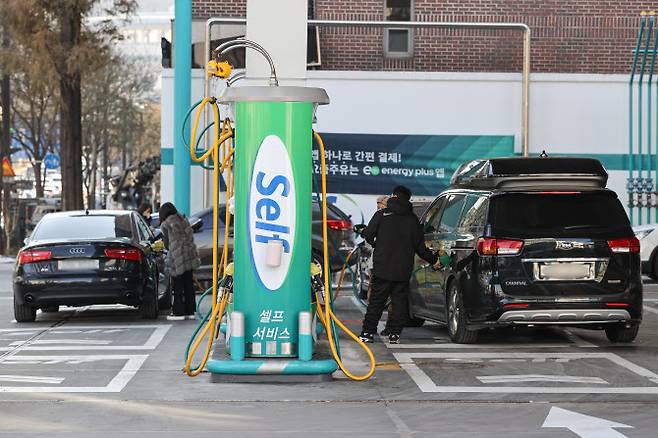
<point>57,34</point>
<point>35,107</point>
<point>114,122</point>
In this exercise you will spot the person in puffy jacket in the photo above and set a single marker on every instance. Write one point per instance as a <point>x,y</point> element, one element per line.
<point>182,260</point>
<point>396,235</point>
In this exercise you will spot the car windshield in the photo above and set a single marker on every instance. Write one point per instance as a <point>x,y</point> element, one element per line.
<point>83,227</point>
<point>557,215</point>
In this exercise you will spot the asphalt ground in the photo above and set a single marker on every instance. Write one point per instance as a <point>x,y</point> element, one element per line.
<point>102,371</point>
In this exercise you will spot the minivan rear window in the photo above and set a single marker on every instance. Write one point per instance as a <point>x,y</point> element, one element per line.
<point>558,215</point>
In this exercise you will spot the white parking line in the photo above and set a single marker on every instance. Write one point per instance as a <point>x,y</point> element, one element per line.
<point>475,346</point>
<point>62,341</point>
<point>425,383</point>
<point>159,332</point>
<point>31,379</point>
<point>518,378</point>
<point>133,364</point>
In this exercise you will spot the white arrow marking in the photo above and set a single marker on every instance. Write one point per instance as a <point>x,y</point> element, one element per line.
<point>516,378</point>
<point>582,425</point>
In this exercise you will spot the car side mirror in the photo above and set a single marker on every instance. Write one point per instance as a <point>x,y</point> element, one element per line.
<point>158,246</point>
<point>196,225</point>
<point>358,229</point>
<point>26,241</point>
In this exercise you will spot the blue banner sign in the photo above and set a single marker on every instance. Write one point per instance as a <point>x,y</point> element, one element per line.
<point>375,163</point>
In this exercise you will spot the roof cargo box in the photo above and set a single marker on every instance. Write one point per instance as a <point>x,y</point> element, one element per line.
<point>531,173</point>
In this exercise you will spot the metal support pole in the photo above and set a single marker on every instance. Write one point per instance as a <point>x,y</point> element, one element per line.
<point>525,75</point>
<point>631,149</point>
<point>182,90</point>
<point>647,187</point>
<point>640,165</point>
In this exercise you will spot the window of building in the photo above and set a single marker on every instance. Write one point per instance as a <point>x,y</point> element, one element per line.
<point>398,42</point>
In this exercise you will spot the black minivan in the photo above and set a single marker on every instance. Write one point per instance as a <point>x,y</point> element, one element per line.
<point>532,241</point>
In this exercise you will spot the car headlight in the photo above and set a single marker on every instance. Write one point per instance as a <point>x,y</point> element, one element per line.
<point>644,233</point>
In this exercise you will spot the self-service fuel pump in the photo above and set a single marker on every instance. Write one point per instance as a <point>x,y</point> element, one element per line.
<point>264,152</point>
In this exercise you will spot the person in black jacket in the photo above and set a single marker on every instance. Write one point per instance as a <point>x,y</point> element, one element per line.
<point>396,235</point>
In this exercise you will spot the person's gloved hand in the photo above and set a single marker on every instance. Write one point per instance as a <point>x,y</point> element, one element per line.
<point>358,229</point>
<point>443,261</point>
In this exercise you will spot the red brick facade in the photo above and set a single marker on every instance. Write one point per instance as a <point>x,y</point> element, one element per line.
<point>568,36</point>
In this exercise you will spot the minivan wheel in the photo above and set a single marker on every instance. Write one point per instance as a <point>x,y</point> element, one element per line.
<point>457,329</point>
<point>24,312</point>
<point>621,333</point>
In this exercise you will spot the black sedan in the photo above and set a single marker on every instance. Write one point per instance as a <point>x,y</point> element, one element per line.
<point>80,258</point>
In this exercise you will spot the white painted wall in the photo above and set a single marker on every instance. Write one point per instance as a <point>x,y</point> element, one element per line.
<point>286,43</point>
<point>584,114</point>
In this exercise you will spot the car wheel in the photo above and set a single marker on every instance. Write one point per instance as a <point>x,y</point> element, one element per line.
<point>457,329</point>
<point>149,307</point>
<point>361,278</point>
<point>621,333</point>
<point>24,312</point>
<point>50,309</point>
<point>653,272</point>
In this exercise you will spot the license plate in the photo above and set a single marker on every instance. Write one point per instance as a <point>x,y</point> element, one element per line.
<point>566,271</point>
<point>77,264</point>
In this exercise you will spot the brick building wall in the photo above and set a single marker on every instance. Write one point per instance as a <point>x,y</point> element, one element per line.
<point>568,36</point>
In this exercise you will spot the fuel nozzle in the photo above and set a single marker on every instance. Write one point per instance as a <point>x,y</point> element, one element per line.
<point>219,69</point>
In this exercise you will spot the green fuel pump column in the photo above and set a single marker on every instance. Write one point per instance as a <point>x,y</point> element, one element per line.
<point>270,316</point>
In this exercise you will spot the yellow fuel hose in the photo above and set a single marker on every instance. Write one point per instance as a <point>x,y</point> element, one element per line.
<point>328,312</point>
<point>211,328</point>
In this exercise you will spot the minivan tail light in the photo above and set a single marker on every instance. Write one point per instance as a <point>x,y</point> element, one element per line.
<point>629,245</point>
<point>336,224</point>
<point>131,254</point>
<point>491,246</point>
<point>33,256</point>
<point>515,306</point>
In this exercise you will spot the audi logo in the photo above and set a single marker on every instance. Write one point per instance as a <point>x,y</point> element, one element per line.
<point>77,251</point>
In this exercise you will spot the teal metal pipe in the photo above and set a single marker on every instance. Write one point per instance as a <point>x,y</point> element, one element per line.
<point>182,92</point>
<point>640,172</point>
<point>649,109</point>
<point>640,116</point>
<point>631,151</point>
